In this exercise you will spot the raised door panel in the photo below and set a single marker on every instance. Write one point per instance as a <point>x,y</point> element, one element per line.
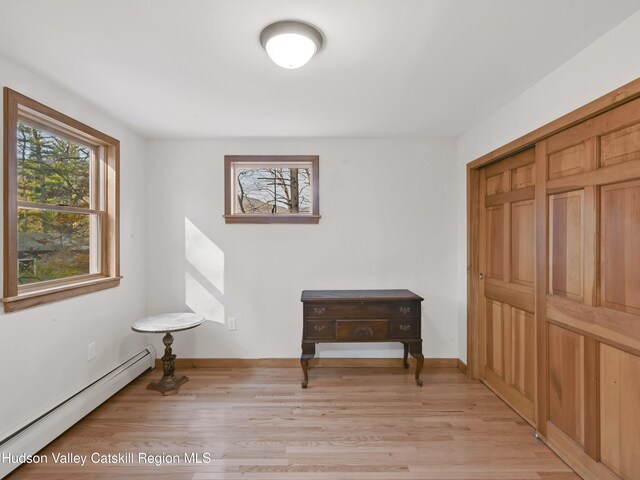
<point>620,411</point>
<point>522,352</point>
<point>495,337</point>
<point>620,146</point>
<point>566,230</point>
<point>620,246</point>
<point>522,177</point>
<point>566,381</point>
<point>568,161</point>
<point>522,242</point>
<point>495,184</point>
<point>495,242</point>
<point>616,132</point>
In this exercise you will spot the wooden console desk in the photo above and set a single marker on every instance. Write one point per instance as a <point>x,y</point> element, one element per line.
<point>361,316</point>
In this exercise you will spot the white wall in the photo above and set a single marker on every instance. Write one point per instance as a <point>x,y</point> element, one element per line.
<point>393,229</point>
<point>44,349</point>
<point>605,65</point>
<point>388,221</point>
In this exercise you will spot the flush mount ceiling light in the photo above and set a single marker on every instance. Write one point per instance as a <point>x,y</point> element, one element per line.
<point>291,43</point>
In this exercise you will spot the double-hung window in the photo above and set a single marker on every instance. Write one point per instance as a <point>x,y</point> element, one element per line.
<point>60,205</point>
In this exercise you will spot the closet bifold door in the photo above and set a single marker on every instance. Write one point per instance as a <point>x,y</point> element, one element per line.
<point>506,340</point>
<point>588,293</point>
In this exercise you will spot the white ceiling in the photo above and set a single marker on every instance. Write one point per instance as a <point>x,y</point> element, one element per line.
<point>390,68</point>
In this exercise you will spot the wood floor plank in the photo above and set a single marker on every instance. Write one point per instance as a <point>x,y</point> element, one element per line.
<point>351,423</point>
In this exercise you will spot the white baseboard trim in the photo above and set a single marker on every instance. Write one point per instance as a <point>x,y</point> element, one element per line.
<point>37,434</point>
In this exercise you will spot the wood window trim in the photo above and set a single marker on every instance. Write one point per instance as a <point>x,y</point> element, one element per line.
<point>17,298</point>
<point>312,218</point>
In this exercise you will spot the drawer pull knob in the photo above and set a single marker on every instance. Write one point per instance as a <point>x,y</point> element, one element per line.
<point>405,310</point>
<point>318,328</point>
<point>404,327</point>
<point>318,310</point>
<point>363,331</point>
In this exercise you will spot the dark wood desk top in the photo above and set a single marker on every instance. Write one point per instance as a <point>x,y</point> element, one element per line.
<point>358,295</point>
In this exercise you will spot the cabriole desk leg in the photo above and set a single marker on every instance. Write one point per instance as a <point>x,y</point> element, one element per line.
<point>308,352</point>
<point>415,348</point>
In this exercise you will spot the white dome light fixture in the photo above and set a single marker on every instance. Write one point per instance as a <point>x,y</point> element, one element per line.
<point>291,43</point>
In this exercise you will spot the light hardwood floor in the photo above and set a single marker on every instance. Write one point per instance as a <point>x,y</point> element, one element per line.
<point>351,423</point>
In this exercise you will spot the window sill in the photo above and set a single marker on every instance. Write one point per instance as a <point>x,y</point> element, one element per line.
<point>282,218</point>
<point>53,294</point>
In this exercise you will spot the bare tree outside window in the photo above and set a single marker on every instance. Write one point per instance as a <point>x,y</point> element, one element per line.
<point>271,189</point>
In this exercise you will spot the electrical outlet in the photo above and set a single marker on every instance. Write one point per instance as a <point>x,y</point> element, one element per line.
<point>91,351</point>
<point>231,323</point>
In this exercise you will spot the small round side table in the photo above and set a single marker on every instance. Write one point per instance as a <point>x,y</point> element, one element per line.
<point>167,323</point>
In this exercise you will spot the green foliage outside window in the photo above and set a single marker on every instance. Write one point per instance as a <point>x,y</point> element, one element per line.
<point>52,171</point>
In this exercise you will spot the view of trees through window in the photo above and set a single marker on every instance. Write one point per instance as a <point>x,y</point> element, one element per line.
<point>272,190</point>
<point>52,171</point>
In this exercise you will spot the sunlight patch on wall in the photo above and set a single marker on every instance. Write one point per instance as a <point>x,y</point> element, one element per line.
<point>201,301</point>
<point>204,255</point>
<point>204,274</point>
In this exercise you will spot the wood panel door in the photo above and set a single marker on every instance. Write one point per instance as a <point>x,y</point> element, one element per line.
<point>507,265</point>
<point>588,182</point>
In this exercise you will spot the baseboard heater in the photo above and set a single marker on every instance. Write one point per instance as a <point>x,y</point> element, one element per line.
<point>31,438</point>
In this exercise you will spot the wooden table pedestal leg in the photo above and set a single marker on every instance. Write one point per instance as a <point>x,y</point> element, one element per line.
<point>415,348</point>
<point>308,352</point>
<point>169,383</point>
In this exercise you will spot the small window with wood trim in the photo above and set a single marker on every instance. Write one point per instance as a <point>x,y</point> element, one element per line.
<point>271,189</point>
<point>60,205</point>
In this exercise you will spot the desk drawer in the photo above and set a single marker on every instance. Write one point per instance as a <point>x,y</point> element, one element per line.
<point>366,310</point>
<point>361,330</point>
<point>404,328</point>
<point>320,329</point>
